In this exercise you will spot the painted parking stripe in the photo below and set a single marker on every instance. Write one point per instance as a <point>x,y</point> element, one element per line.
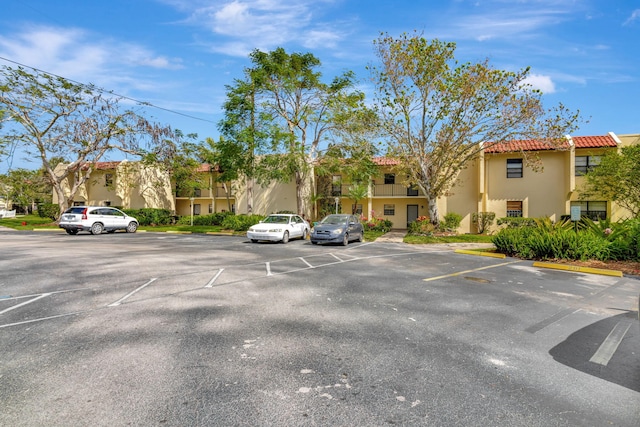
<point>13,307</point>
<point>114,304</point>
<point>429,279</point>
<point>305,261</point>
<point>214,278</point>
<point>41,319</point>
<point>609,346</point>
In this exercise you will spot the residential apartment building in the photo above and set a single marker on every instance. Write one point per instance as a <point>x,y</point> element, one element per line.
<point>499,180</point>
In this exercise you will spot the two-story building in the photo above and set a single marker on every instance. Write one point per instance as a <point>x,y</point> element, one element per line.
<point>499,180</point>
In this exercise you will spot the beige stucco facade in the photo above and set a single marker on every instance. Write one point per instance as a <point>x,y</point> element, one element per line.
<point>485,185</point>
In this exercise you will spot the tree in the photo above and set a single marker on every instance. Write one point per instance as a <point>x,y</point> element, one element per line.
<point>52,117</point>
<point>438,115</point>
<point>26,187</point>
<point>616,178</point>
<point>305,112</point>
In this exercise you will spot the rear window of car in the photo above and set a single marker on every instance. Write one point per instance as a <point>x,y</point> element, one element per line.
<point>75,210</point>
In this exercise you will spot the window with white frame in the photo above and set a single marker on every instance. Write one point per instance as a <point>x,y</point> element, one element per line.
<point>514,168</point>
<point>594,210</point>
<point>514,208</point>
<point>585,164</point>
<point>389,209</point>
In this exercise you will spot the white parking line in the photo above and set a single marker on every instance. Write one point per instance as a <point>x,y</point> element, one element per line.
<point>24,303</point>
<point>610,345</point>
<point>40,319</point>
<point>305,261</point>
<point>214,278</point>
<point>268,266</point>
<point>114,304</point>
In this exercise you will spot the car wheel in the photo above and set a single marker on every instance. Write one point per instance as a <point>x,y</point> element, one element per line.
<point>285,237</point>
<point>72,232</point>
<point>97,228</point>
<point>360,237</point>
<point>254,240</point>
<point>305,234</point>
<point>132,227</point>
<point>345,239</point>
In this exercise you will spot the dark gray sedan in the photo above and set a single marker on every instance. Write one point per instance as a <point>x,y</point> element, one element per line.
<point>338,228</point>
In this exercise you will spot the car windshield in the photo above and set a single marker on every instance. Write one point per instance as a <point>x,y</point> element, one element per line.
<point>335,219</point>
<point>276,219</point>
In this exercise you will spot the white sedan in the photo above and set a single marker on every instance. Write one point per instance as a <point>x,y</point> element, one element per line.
<point>279,228</point>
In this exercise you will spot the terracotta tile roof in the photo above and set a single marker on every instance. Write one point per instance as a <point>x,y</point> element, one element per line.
<point>520,145</point>
<point>598,141</point>
<point>102,165</point>
<point>594,141</point>
<point>385,161</point>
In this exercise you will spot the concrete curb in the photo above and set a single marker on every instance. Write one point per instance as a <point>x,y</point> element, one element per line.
<point>567,267</point>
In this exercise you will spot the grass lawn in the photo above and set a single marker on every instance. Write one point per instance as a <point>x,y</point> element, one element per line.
<point>459,238</point>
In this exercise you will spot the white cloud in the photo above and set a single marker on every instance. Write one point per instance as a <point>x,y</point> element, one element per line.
<point>635,15</point>
<point>79,55</point>
<point>541,82</point>
<point>243,25</point>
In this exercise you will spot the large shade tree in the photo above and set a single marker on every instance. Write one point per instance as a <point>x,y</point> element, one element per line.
<point>305,112</point>
<point>616,178</point>
<point>49,117</point>
<point>438,114</point>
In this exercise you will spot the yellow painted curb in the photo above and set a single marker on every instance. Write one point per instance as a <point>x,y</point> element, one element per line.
<point>566,267</point>
<point>47,229</point>
<point>218,233</point>
<point>177,232</point>
<point>489,254</point>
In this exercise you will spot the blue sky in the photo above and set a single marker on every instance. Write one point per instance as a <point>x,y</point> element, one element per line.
<point>179,54</point>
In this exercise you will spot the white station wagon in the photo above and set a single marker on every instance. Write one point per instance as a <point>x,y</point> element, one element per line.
<point>279,228</point>
<point>96,219</point>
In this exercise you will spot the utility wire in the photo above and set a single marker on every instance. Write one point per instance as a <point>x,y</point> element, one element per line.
<point>101,90</point>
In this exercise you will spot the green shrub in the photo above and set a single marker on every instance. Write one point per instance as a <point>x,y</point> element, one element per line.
<point>451,222</point>
<point>240,222</point>
<point>483,220</point>
<point>48,210</point>
<point>151,216</point>
<point>421,227</point>
<point>377,224</point>
<point>207,220</point>
<point>513,222</point>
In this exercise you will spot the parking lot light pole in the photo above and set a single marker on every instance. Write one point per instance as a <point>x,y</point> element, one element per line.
<point>191,200</point>
<point>337,199</point>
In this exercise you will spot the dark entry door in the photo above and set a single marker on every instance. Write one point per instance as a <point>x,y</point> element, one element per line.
<point>412,213</point>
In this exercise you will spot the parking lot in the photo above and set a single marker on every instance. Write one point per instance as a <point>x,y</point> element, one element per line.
<point>190,330</point>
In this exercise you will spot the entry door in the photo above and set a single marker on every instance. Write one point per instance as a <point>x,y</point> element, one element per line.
<point>412,213</point>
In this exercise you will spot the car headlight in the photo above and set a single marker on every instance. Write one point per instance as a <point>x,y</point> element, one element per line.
<point>337,231</point>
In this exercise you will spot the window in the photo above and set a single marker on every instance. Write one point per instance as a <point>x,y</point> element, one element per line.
<point>389,209</point>
<point>356,209</point>
<point>412,190</point>
<point>514,208</point>
<point>107,202</point>
<point>592,210</point>
<point>514,168</point>
<point>108,179</point>
<point>389,178</point>
<point>585,164</point>
<point>210,208</point>
<point>196,209</point>
<point>197,192</point>
<point>336,188</point>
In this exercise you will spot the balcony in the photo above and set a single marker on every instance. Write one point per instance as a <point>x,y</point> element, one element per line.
<point>395,190</point>
<point>205,193</point>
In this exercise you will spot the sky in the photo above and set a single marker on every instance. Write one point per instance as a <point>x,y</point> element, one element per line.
<point>178,55</point>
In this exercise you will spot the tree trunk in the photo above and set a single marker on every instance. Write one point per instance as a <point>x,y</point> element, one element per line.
<point>432,204</point>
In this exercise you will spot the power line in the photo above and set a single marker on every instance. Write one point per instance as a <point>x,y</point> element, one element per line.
<point>145,103</point>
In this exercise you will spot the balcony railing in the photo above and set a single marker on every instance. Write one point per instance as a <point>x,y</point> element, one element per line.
<point>205,193</point>
<point>394,190</point>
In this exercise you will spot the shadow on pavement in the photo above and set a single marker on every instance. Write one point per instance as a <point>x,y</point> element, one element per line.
<point>593,350</point>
